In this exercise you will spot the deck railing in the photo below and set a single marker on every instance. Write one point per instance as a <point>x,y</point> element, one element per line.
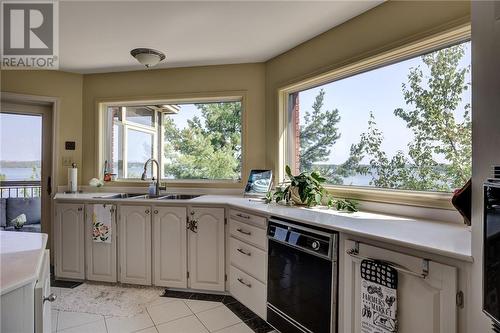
<point>20,189</point>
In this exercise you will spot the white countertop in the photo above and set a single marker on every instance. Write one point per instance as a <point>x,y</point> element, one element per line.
<point>447,239</point>
<point>21,254</point>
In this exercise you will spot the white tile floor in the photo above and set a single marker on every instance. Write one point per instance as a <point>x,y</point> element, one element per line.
<point>165,315</point>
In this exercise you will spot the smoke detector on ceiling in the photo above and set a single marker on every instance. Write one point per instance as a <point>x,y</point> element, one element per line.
<point>147,57</point>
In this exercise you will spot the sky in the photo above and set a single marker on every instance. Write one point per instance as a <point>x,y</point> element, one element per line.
<point>20,137</point>
<point>378,91</point>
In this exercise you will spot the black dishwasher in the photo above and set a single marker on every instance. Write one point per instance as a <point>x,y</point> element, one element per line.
<point>302,278</point>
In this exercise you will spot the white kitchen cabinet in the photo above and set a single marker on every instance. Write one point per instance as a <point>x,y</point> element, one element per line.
<point>206,249</point>
<point>100,257</point>
<point>134,239</point>
<point>69,241</point>
<point>424,304</point>
<point>170,247</point>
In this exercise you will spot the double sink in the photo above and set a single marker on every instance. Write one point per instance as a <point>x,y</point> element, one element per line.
<point>147,196</point>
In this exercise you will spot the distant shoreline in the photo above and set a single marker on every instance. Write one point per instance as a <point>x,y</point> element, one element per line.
<point>20,164</point>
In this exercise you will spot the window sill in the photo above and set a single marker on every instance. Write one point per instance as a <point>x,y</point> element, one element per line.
<point>187,183</point>
<point>437,200</point>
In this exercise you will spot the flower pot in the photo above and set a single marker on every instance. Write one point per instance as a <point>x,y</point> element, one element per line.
<point>294,195</point>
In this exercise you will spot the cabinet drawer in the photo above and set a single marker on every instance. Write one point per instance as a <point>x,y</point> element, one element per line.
<point>248,233</point>
<point>249,218</point>
<point>248,290</point>
<point>248,258</point>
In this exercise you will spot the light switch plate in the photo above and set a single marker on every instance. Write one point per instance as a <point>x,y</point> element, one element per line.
<point>67,161</point>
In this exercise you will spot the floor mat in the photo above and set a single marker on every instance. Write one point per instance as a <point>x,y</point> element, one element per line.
<point>107,300</point>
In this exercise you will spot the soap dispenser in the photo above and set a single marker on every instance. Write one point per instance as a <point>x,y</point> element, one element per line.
<point>152,187</point>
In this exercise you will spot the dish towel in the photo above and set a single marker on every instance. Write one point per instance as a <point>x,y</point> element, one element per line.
<point>102,216</point>
<point>379,283</point>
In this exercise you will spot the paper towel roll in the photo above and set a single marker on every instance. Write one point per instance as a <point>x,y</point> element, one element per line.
<point>73,180</point>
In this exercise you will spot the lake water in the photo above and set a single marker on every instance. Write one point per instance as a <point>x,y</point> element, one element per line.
<point>18,173</point>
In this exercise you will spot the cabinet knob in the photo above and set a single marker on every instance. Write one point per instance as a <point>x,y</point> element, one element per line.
<point>80,209</point>
<point>147,211</point>
<point>51,298</point>
<point>156,211</point>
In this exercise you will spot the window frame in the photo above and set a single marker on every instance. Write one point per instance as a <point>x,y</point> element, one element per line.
<point>130,125</point>
<point>102,147</point>
<point>286,148</point>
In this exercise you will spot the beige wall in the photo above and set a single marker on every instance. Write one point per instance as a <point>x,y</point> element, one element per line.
<point>385,27</point>
<point>249,78</point>
<point>67,87</point>
<point>485,137</point>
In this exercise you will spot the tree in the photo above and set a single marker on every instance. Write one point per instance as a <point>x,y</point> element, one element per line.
<point>317,136</point>
<point>208,147</point>
<point>433,101</point>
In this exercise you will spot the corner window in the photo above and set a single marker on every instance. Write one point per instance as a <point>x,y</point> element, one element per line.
<point>406,125</point>
<point>191,141</point>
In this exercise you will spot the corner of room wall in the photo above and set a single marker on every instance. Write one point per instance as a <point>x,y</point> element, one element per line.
<point>68,89</point>
<point>485,138</point>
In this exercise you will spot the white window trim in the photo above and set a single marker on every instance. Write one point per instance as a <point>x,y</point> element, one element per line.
<point>364,193</point>
<point>104,137</point>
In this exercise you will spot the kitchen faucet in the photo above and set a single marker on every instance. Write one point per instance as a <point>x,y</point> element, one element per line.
<point>143,177</point>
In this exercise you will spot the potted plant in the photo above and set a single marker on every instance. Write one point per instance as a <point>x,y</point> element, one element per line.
<point>306,189</point>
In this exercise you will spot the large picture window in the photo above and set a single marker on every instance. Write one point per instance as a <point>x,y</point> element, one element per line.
<point>195,141</point>
<point>406,125</point>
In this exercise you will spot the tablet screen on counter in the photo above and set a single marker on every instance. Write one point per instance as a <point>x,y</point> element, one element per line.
<point>259,183</point>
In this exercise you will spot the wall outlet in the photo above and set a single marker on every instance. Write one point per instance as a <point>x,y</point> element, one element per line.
<point>67,161</point>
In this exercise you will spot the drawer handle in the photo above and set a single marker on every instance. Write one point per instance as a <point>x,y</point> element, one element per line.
<point>51,298</point>
<point>240,280</point>
<point>243,216</point>
<point>244,232</point>
<point>244,252</point>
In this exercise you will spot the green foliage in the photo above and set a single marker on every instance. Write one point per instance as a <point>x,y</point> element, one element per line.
<point>207,148</point>
<point>306,188</point>
<point>432,101</point>
<point>2,177</point>
<point>318,134</point>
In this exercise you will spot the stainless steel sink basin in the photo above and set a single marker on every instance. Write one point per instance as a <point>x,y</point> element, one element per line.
<point>147,196</point>
<point>120,196</point>
<point>179,197</point>
<point>139,196</point>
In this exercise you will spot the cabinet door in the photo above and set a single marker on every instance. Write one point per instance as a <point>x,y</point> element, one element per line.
<point>170,247</point>
<point>424,305</point>
<point>69,241</point>
<point>100,257</point>
<point>135,244</point>
<point>206,249</point>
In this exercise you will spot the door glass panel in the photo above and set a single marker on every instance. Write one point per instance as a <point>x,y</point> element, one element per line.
<point>21,147</point>
<point>20,171</point>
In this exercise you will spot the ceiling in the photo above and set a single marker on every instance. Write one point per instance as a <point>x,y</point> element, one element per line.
<point>98,36</point>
